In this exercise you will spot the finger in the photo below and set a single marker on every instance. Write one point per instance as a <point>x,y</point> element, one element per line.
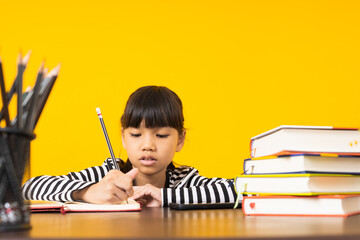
<point>114,200</point>
<point>142,202</point>
<point>141,191</point>
<point>111,197</point>
<point>136,195</point>
<point>124,182</point>
<point>136,189</point>
<point>120,195</point>
<point>132,173</point>
<point>119,186</point>
<point>146,194</point>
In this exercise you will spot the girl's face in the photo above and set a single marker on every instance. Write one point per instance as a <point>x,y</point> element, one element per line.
<point>151,150</point>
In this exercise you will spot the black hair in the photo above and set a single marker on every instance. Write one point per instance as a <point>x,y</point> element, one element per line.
<point>158,106</point>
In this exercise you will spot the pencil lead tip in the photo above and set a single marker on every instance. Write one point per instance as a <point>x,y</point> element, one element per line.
<point>57,69</point>
<point>19,59</point>
<point>41,69</point>
<point>28,89</point>
<point>54,72</point>
<point>26,58</point>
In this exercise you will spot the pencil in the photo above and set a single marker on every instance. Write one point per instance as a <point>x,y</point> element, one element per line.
<point>22,63</point>
<point>13,87</point>
<point>3,95</point>
<point>19,87</point>
<point>30,119</point>
<point>113,159</point>
<point>44,92</point>
<point>27,95</point>
<point>10,94</point>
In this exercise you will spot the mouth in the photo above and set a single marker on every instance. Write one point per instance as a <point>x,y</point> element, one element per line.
<point>147,160</point>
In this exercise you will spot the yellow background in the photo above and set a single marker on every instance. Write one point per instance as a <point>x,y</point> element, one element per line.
<point>240,67</point>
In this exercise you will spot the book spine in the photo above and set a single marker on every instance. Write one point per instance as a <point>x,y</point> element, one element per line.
<point>244,168</point>
<point>252,153</point>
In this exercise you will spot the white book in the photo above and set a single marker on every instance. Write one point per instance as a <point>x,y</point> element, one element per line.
<point>303,163</point>
<point>289,139</point>
<point>298,184</point>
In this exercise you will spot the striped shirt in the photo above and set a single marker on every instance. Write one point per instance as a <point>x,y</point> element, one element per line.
<point>183,185</point>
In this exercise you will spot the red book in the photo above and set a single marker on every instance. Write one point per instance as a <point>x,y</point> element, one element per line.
<point>45,206</point>
<point>327,205</point>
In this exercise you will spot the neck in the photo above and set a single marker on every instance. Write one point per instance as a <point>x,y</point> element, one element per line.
<point>157,180</point>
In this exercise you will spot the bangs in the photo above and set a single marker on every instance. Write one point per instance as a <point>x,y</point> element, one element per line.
<point>156,106</point>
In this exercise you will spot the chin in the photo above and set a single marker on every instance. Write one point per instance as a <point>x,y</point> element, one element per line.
<point>148,170</point>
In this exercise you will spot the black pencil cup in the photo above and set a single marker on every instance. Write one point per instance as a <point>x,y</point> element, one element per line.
<point>14,169</point>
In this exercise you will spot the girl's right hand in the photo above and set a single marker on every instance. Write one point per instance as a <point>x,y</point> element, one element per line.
<point>114,188</point>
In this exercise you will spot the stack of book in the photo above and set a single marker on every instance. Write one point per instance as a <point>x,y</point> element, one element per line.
<point>302,170</point>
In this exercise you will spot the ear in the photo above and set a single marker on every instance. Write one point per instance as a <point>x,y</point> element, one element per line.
<point>181,141</point>
<point>122,137</point>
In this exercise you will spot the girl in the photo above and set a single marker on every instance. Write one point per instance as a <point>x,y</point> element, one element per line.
<point>152,131</point>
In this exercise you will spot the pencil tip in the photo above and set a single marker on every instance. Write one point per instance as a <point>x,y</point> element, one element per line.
<point>57,69</point>
<point>54,72</point>
<point>25,60</point>
<point>98,110</point>
<point>28,89</point>
<point>19,59</point>
<point>41,69</point>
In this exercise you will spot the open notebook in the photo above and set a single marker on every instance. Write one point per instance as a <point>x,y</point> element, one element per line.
<point>45,206</point>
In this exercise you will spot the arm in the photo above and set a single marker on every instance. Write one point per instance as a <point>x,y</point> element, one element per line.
<point>114,188</point>
<point>191,188</point>
<point>94,184</point>
<point>60,188</point>
<point>198,189</point>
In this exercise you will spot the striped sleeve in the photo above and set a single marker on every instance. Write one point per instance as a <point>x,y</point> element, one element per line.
<point>198,189</point>
<point>60,188</point>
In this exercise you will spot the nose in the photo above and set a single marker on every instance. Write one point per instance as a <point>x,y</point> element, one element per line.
<point>148,143</point>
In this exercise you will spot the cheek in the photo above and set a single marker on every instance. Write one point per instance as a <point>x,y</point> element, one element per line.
<point>170,148</point>
<point>131,153</point>
<point>129,145</point>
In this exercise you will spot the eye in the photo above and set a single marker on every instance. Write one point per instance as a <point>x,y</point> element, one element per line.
<point>162,135</point>
<point>135,134</point>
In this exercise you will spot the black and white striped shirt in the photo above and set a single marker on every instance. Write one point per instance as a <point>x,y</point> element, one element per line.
<point>183,185</point>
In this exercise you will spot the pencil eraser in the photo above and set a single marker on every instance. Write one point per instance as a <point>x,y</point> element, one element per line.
<point>98,111</point>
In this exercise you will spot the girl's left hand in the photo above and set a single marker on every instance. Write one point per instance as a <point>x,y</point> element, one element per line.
<point>149,195</point>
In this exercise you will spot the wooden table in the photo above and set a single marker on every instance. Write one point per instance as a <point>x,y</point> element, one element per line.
<point>163,223</point>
